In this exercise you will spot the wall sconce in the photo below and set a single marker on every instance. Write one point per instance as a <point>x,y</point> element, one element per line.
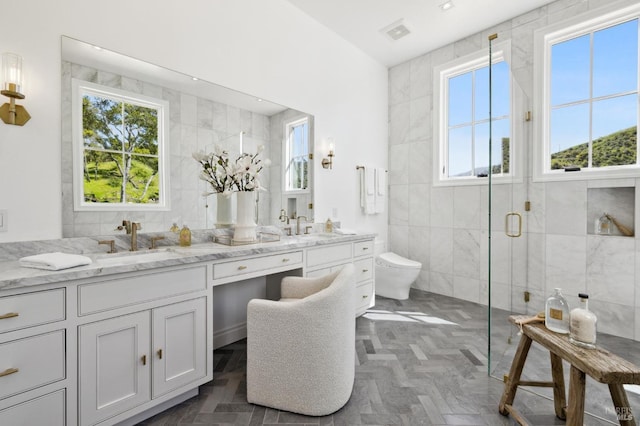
<point>12,87</point>
<point>327,163</point>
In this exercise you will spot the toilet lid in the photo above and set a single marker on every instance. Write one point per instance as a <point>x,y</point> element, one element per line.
<point>392,259</point>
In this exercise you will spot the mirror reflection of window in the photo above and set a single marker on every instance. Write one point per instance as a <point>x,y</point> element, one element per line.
<point>119,141</point>
<point>296,164</point>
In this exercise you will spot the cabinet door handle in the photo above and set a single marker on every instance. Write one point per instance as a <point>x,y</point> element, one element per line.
<point>365,248</point>
<point>144,360</point>
<point>365,270</point>
<point>9,315</point>
<point>285,259</point>
<point>365,296</point>
<point>160,353</point>
<point>9,371</point>
<point>241,267</point>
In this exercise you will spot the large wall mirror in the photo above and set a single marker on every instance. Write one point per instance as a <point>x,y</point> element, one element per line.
<point>129,129</point>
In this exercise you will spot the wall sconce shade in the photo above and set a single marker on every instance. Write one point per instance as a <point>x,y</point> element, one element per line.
<point>11,82</point>
<point>327,163</point>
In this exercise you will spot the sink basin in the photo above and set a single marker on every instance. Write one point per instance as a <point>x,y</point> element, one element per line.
<point>319,235</point>
<point>129,258</point>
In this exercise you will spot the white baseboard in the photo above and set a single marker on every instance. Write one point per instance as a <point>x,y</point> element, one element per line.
<point>229,335</point>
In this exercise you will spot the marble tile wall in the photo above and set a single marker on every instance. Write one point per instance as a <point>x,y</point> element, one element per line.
<point>195,124</point>
<point>446,228</point>
<point>278,199</point>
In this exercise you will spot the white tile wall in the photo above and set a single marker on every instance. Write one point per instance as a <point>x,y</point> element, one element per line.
<point>449,225</point>
<point>195,124</point>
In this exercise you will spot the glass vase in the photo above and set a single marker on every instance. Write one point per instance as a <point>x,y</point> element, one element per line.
<point>224,211</point>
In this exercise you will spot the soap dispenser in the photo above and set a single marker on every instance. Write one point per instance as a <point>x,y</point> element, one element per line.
<point>328,226</point>
<point>603,225</point>
<point>185,236</point>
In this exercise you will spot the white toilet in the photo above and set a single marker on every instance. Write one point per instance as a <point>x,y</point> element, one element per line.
<point>394,273</point>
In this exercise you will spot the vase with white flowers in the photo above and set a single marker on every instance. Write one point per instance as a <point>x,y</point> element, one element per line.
<point>217,171</point>
<point>246,182</point>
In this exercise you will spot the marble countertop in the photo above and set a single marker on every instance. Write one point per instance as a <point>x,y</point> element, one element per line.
<point>13,276</point>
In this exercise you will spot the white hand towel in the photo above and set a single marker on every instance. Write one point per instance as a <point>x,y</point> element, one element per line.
<point>54,261</point>
<point>344,231</point>
<point>369,188</point>
<point>363,192</point>
<point>381,184</point>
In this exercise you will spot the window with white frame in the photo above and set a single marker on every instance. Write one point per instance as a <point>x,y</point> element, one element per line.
<point>463,125</point>
<point>119,141</point>
<point>588,73</point>
<point>296,161</point>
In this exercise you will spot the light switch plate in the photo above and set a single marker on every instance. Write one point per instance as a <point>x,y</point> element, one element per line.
<point>4,220</point>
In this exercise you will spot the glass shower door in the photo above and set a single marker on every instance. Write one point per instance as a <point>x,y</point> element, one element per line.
<point>507,201</point>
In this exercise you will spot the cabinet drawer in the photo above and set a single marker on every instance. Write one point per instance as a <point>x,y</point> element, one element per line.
<point>328,254</point>
<point>364,294</point>
<point>247,266</point>
<point>104,295</point>
<point>325,271</point>
<point>318,273</point>
<point>363,248</point>
<point>31,309</point>
<point>363,269</point>
<point>46,410</point>
<point>32,362</point>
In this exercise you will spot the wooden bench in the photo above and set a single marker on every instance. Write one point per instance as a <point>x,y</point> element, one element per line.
<point>598,363</point>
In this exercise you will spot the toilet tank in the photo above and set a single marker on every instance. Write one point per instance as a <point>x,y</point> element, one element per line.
<point>379,247</point>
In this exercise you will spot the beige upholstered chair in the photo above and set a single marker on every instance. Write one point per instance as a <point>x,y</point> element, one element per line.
<point>301,349</point>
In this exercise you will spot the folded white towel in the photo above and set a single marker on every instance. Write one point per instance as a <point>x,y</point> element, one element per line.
<point>369,191</point>
<point>344,231</point>
<point>381,184</point>
<point>54,261</point>
<point>369,180</point>
<point>381,181</point>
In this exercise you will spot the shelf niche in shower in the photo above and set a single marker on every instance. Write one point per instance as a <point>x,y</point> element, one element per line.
<point>619,202</point>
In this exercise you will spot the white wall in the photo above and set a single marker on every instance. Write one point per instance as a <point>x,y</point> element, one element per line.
<point>269,49</point>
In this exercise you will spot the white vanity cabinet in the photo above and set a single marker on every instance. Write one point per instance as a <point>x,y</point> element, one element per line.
<point>142,339</point>
<point>331,257</point>
<point>132,359</point>
<point>33,358</point>
<point>364,267</point>
<point>114,343</point>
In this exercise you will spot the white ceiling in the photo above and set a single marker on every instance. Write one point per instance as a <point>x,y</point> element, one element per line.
<point>360,22</point>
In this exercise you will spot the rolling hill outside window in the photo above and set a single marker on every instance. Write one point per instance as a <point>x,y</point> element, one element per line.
<point>590,109</point>
<point>120,142</point>
<point>463,124</point>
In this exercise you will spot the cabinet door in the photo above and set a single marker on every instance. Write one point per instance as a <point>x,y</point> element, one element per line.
<point>114,366</point>
<point>179,345</point>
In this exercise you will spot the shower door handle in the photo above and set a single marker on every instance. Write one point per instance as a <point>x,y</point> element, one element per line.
<point>507,229</point>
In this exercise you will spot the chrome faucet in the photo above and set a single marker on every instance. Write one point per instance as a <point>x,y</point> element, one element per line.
<point>132,229</point>
<point>298,223</point>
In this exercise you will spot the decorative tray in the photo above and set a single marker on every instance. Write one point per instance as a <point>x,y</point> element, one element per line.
<point>263,237</point>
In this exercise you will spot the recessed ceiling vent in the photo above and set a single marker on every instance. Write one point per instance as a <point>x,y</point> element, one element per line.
<point>396,30</point>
